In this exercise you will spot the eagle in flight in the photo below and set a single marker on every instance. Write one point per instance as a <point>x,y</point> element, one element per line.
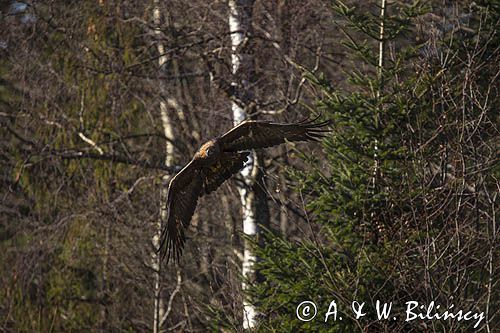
<point>216,161</point>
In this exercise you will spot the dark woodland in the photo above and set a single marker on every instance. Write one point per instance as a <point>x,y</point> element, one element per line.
<point>103,102</point>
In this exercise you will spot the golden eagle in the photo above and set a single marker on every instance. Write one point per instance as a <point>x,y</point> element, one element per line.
<point>216,161</point>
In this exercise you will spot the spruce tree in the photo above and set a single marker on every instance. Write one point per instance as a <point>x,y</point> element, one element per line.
<point>390,215</point>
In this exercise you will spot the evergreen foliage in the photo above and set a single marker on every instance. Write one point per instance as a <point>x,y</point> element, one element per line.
<point>394,217</point>
<point>399,205</point>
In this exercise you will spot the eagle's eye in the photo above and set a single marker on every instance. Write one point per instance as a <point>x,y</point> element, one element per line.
<point>209,151</point>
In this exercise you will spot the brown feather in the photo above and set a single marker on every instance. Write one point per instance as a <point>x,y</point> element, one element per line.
<point>182,198</point>
<point>228,165</point>
<point>200,176</point>
<point>252,134</point>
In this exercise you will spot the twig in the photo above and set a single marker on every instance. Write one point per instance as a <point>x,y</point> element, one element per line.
<point>171,299</point>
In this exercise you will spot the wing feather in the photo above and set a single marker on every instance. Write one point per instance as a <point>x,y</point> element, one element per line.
<point>193,180</point>
<point>182,197</point>
<point>228,165</point>
<point>252,134</point>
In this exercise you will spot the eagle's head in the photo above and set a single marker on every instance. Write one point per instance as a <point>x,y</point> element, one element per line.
<point>209,150</point>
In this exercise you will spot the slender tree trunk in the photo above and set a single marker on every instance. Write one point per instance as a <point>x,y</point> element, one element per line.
<point>252,195</point>
<point>380,74</point>
<point>105,288</point>
<point>105,278</point>
<point>168,131</point>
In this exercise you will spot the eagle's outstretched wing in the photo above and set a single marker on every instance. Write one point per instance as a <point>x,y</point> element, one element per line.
<point>252,134</point>
<point>228,165</point>
<point>183,192</point>
<point>195,179</point>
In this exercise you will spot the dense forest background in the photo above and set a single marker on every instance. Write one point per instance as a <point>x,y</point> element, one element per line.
<point>101,102</point>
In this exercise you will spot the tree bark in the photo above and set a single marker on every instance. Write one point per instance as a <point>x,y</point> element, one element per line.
<point>251,191</point>
<point>159,308</point>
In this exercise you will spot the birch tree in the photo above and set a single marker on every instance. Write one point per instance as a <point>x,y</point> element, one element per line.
<point>168,132</point>
<point>252,196</point>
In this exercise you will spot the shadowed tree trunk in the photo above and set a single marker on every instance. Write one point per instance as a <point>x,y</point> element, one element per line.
<point>168,131</point>
<point>251,190</point>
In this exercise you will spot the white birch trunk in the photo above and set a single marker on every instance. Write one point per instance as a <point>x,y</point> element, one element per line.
<point>239,23</point>
<point>159,309</point>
